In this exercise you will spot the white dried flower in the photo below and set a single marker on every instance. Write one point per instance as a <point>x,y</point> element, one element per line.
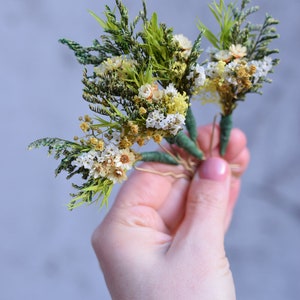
<point>184,43</point>
<point>223,55</point>
<point>263,67</point>
<point>238,51</point>
<point>145,91</point>
<point>171,90</point>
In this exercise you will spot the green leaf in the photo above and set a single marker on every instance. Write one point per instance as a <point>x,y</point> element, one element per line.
<point>209,35</point>
<point>92,191</point>
<point>54,144</point>
<point>98,19</point>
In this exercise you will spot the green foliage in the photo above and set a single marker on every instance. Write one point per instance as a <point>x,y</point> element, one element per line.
<point>235,29</point>
<point>91,191</point>
<point>195,52</point>
<point>119,38</point>
<point>258,44</point>
<point>159,47</point>
<point>56,145</point>
<point>224,17</point>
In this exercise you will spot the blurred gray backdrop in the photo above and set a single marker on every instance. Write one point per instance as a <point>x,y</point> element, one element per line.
<point>45,250</point>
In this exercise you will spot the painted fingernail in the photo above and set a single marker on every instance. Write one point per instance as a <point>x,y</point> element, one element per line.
<point>214,168</point>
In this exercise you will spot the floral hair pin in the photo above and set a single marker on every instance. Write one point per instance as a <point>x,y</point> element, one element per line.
<point>140,86</point>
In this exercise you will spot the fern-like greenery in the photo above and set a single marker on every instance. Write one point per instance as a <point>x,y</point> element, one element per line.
<point>91,190</point>
<point>224,17</point>
<point>234,29</point>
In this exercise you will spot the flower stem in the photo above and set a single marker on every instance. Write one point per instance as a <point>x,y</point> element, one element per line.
<point>191,125</point>
<point>184,142</point>
<point>225,127</point>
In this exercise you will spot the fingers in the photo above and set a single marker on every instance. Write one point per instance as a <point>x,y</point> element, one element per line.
<point>240,163</point>
<point>149,186</point>
<point>206,207</point>
<point>209,142</point>
<point>208,138</point>
<point>238,166</point>
<point>237,143</point>
<point>167,194</point>
<point>236,154</point>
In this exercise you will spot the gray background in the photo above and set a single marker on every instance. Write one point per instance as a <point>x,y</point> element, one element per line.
<point>45,250</point>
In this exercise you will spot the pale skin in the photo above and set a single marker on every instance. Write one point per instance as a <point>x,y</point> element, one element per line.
<point>164,236</point>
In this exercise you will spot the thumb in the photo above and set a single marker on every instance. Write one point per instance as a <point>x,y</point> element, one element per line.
<point>207,202</point>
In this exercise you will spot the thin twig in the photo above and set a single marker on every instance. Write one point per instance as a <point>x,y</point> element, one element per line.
<point>180,160</point>
<point>177,176</point>
<point>169,152</point>
<point>212,135</point>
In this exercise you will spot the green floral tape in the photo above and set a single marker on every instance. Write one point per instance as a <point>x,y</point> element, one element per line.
<point>225,127</point>
<point>184,142</point>
<point>161,157</point>
<point>191,125</point>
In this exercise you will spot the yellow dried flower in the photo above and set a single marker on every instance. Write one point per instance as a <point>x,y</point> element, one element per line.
<point>140,141</point>
<point>134,129</point>
<point>93,140</point>
<point>179,68</point>
<point>125,143</point>
<point>99,146</point>
<point>157,138</point>
<point>225,92</point>
<point>142,110</point>
<point>87,118</point>
<point>252,70</point>
<point>209,93</point>
<point>85,126</point>
<point>178,104</point>
<point>243,77</point>
<point>221,67</point>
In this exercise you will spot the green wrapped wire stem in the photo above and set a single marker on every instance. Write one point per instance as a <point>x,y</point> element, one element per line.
<point>184,142</point>
<point>191,125</point>
<point>161,157</point>
<point>225,128</point>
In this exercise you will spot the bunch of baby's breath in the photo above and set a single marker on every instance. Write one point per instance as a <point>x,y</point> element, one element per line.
<point>139,78</point>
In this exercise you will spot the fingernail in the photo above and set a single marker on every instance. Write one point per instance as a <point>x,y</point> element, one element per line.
<point>214,168</point>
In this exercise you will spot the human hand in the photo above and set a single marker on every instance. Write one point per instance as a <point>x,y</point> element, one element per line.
<point>163,238</point>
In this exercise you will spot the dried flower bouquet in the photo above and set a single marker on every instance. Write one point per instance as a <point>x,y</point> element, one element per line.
<point>139,81</point>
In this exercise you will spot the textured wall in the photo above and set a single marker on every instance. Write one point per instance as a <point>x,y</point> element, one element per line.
<point>45,250</point>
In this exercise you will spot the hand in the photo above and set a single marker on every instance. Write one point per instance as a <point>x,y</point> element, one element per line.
<point>163,238</point>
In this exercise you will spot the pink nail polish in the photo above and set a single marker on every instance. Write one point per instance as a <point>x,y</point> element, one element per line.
<point>214,168</point>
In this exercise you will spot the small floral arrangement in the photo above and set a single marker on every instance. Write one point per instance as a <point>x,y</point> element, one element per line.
<point>139,81</point>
